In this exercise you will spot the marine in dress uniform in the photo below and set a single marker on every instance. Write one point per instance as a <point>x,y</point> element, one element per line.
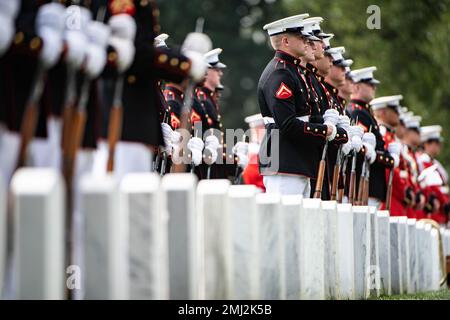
<point>215,158</point>
<point>411,139</point>
<point>361,112</point>
<point>142,98</point>
<point>435,177</point>
<point>387,110</point>
<point>289,154</point>
<point>325,98</point>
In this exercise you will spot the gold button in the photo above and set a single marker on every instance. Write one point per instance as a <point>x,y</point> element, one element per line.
<point>324,132</point>
<point>315,130</point>
<point>184,66</point>
<point>345,135</point>
<point>337,135</point>
<point>308,128</point>
<point>18,39</point>
<point>381,157</point>
<point>112,56</point>
<point>144,3</point>
<point>35,43</point>
<point>174,62</point>
<point>155,12</point>
<point>131,79</point>
<point>392,161</point>
<point>163,58</point>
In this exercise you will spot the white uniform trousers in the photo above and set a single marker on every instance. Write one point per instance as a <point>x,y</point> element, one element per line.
<point>288,185</point>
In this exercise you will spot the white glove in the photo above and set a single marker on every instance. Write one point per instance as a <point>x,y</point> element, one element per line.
<point>123,32</point>
<point>369,138</point>
<point>7,33</point>
<point>347,147</point>
<point>8,13</point>
<point>333,133</point>
<point>396,158</point>
<point>195,145</point>
<point>98,35</point>
<point>371,155</point>
<point>357,143</point>
<point>240,149</point>
<point>50,27</point>
<point>212,144</point>
<point>344,122</point>
<point>198,65</point>
<point>167,137</point>
<point>331,117</point>
<point>75,36</point>
<point>356,131</point>
<point>395,148</point>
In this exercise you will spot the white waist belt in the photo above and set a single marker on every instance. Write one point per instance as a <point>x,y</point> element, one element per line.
<point>268,120</point>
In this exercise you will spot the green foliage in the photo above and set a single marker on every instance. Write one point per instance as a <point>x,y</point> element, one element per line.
<point>411,49</point>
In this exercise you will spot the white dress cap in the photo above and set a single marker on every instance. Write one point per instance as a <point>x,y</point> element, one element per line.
<point>430,133</point>
<point>365,75</point>
<point>412,122</point>
<point>212,58</point>
<point>160,41</point>
<point>289,24</point>
<point>387,101</point>
<point>308,28</point>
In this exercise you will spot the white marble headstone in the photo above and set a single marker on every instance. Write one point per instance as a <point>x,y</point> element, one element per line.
<point>421,248</point>
<point>184,236</point>
<point>39,244</point>
<point>404,252</point>
<point>413,270</point>
<point>428,258</point>
<point>3,234</point>
<point>105,238</point>
<point>375,274</point>
<point>271,247</point>
<point>216,244</point>
<point>290,211</point>
<point>436,261</point>
<point>148,254</point>
<point>361,239</point>
<point>396,261</point>
<point>242,212</point>
<point>384,249</point>
<point>345,251</point>
<point>312,250</point>
<point>332,281</point>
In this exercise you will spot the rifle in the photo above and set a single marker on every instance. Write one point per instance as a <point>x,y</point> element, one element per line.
<point>389,190</point>
<point>343,174</point>
<point>31,115</point>
<point>366,186</point>
<point>336,171</point>
<point>164,153</point>
<point>359,197</point>
<point>69,107</point>
<point>115,123</point>
<point>352,186</point>
<point>321,173</point>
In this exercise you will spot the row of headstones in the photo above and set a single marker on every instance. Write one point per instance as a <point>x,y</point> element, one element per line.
<point>173,238</point>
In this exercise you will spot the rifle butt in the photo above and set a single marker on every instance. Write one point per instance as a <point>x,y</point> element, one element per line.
<point>319,184</point>
<point>114,131</point>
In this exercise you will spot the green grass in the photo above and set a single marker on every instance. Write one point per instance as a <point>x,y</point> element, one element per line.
<point>435,295</point>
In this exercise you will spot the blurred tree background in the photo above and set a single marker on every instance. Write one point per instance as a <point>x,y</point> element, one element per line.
<point>411,49</point>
